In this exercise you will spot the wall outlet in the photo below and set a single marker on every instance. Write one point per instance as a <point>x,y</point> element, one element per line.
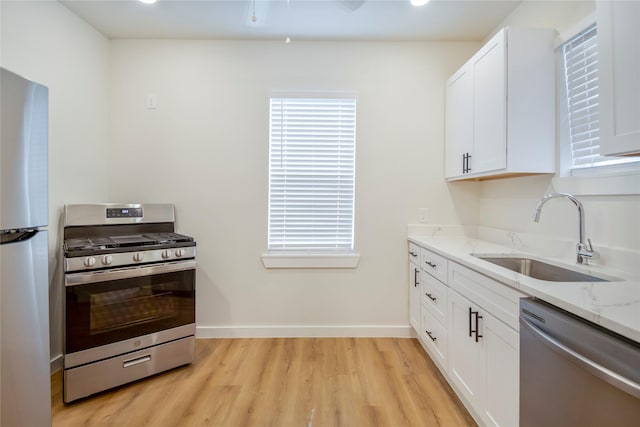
<point>423,214</point>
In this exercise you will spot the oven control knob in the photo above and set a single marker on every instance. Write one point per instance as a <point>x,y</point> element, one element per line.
<point>179,252</point>
<point>166,254</point>
<point>107,259</point>
<point>89,261</point>
<point>138,256</point>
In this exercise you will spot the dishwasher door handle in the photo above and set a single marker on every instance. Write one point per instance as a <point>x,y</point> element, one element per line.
<point>616,380</point>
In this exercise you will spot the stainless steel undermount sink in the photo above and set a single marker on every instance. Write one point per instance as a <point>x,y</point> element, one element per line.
<point>540,270</point>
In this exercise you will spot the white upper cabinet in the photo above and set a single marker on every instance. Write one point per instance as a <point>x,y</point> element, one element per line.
<point>619,73</point>
<point>500,108</point>
<point>489,107</point>
<point>459,121</point>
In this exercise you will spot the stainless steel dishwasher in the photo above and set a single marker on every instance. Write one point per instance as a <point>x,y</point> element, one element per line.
<point>575,373</point>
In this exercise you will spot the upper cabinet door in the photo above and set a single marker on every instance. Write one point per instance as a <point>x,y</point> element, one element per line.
<point>458,121</point>
<point>489,107</point>
<point>500,115</point>
<point>619,50</point>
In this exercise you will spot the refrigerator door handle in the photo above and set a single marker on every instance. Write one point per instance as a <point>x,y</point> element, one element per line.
<point>17,236</point>
<point>616,380</point>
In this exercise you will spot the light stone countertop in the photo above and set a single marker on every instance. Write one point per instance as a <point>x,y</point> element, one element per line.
<point>614,305</point>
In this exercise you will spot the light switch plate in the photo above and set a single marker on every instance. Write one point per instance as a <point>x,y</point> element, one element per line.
<point>423,214</point>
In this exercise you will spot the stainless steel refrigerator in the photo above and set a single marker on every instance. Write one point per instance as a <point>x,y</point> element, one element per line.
<point>24,284</point>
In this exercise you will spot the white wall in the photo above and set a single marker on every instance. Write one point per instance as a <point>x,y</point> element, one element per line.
<point>206,149</point>
<point>558,14</point>
<point>612,221</point>
<point>45,42</point>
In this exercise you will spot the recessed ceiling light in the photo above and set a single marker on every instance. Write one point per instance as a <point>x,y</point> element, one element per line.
<point>419,2</point>
<point>153,1</point>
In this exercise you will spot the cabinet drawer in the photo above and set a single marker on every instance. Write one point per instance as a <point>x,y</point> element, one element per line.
<point>434,264</point>
<point>414,253</point>
<point>434,337</point>
<point>434,297</point>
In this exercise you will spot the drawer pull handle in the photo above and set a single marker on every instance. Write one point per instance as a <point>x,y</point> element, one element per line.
<point>413,254</point>
<point>430,264</point>
<point>431,336</point>
<point>431,297</point>
<point>136,361</point>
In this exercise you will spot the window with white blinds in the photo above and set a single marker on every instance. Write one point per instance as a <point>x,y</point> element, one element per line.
<point>580,56</point>
<point>311,174</point>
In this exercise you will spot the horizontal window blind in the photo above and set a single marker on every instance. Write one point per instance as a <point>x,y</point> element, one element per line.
<point>581,75</point>
<point>580,56</point>
<point>311,174</point>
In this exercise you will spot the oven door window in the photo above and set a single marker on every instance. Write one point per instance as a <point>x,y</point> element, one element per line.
<point>107,312</point>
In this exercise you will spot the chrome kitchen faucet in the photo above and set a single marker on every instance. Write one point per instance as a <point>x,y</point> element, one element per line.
<point>584,251</point>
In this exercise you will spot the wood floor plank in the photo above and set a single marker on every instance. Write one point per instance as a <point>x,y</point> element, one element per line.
<point>281,382</point>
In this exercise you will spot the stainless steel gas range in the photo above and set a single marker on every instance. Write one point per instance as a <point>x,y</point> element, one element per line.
<point>129,295</point>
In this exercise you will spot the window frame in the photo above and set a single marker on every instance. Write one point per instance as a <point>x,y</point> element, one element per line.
<point>309,257</point>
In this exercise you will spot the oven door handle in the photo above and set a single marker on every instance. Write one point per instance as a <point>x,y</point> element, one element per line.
<point>616,380</point>
<point>75,279</point>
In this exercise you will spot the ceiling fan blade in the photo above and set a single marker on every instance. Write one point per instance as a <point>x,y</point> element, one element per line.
<point>351,5</point>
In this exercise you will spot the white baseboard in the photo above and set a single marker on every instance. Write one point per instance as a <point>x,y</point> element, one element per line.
<point>56,364</point>
<point>377,331</point>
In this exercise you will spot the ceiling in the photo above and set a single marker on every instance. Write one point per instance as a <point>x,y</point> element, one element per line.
<point>393,20</point>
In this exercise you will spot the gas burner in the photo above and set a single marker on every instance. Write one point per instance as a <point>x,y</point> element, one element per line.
<point>89,243</point>
<point>161,238</point>
<point>135,240</point>
<point>127,242</point>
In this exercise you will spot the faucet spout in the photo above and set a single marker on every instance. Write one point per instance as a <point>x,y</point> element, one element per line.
<point>584,250</point>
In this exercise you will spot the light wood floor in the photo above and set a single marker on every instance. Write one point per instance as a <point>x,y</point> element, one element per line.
<point>280,382</point>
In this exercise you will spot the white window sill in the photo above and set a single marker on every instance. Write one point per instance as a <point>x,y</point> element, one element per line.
<point>292,260</point>
<point>605,184</point>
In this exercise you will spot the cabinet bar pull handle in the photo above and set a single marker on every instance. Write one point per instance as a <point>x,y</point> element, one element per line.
<point>478,317</point>
<point>477,329</point>
<point>413,254</point>
<point>431,297</point>
<point>464,163</point>
<point>431,336</point>
<point>430,264</point>
<point>468,167</point>
<point>415,277</point>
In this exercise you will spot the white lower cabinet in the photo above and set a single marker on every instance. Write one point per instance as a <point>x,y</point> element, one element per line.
<point>465,355</point>
<point>484,361</point>
<point>469,329</point>
<point>501,367</point>
<point>415,288</point>
<point>415,296</point>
